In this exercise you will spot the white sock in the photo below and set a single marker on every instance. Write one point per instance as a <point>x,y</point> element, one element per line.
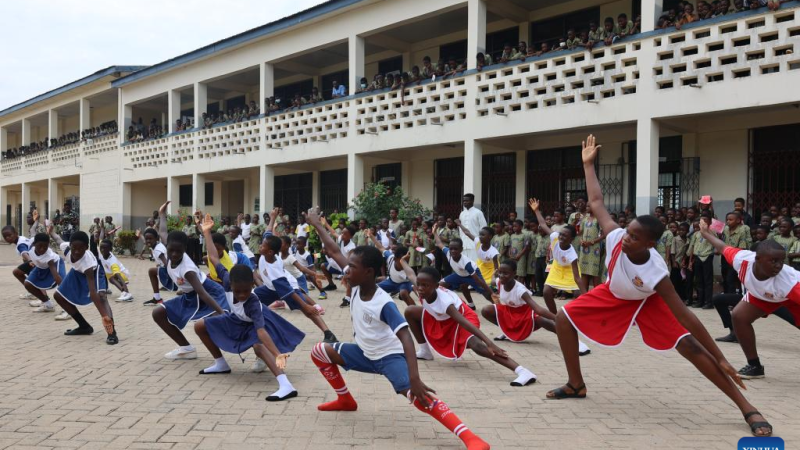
<point>582,347</point>
<point>220,365</point>
<point>523,376</point>
<point>188,348</point>
<point>48,303</point>
<point>284,386</point>
<point>157,296</point>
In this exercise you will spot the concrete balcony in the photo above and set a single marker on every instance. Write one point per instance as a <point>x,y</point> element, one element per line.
<point>316,123</point>
<point>101,145</point>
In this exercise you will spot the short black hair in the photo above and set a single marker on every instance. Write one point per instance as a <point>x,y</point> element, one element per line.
<point>178,237</point>
<point>651,225</point>
<point>274,243</point>
<point>352,230</point>
<point>79,236</point>
<point>559,210</point>
<point>735,213</point>
<point>470,196</point>
<point>107,242</point>
<point>400,251</point>
<point>519,222</point>
<point>371,257</point>
<point>763,228</point>
<point>219,239</point>
<point>574,232</point>
<point>457,241</point>
<point>707,213</point>
<point>151,231</point>
<point>510,263</point>
<point>240,273</point>
<point>488,230</point>
<point>301,238</point>
<point>432,272</point>
<point>286,240</point>
<point>769,245</point>
<point>739,200</point>
<point>581,197</point>
<point>9,228</point>
<point>41,237</point>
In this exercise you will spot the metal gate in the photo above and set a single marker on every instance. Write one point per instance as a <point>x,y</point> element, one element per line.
<point>498,186</point>
<point>333,190</point>
<point>555,177</point>
<point>293,193</point>
<point>448,185</point>
<point>612,182</point>
<point>774,168</point>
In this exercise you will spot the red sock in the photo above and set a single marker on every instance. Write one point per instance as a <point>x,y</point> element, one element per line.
<point>330,371</point>
<point>441,412</point>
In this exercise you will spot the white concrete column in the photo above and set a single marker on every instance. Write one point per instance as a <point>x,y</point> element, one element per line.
<point>5,219</point>
<point>520,199</point>
<point>355,177</point>
<point>315,188</point>
<point>356,57</point>
<point>647,136</point>
<point>405,176</point>
<point>524,33</point>
<point>267,85</point>
<point>52,125</point>
<point>200,103</point>
<point>125,120</point>
<point>476,35</point>
<point>266,189</point>
<point>26,132</point>
<point>407,62</point>
<point>3,140</point>
<point>198,191</point>
<point>127,210</point>
<point>473,169</point>
<point>85,115</point>
<point>174,194</point>
<point>52,197</point>
<point>651,11</point>
<point>26,205</point>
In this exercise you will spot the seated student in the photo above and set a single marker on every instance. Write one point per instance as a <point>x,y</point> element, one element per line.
<point>488,255</point>
<point>85,283</point>
<point>383,344</point>
<point>240,246</point>
<point>596,36</point>
<point>688,16</point>
<point>248,325</point>
<point>573,40</point>
<point>198,295</point>
<point>397,281</point>
<point>543,49</point>
<point>158,275</point>
<point>509,53</point>
<point>453,67</point>
<point>483,60</point>
<point>465,273</point>
<point>116,273</point>
<point>48,271</point>
<point>346,245</point>
<point>22,245</point>
<point>276,284</point>
<point>638,291</point>
<point>610,31</point>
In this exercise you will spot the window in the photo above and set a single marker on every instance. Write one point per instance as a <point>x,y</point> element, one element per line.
<point>551,30</point>
<point>391,65</point>
<point>333,190</point>
<point>448,185</point>
<point>209,194</point>
<point>235,102</point>
<point>388,174</point>
<point>456,50</point>
<point>293,193</point>
<point>555,176</point>
<point>327,83</point>
<point>499,187</point>
<point>678,177</point>
<point>495,41</point>
<point>185,195</point>
<point>774,168</point>
<point>287,92</point>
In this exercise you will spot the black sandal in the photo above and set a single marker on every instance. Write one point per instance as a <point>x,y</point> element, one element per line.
<point>756,425</point>
<point>79,331</point>
<point>560,393</point>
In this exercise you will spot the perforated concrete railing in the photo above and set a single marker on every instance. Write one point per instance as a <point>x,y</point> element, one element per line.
<point>319,123</point>
<point>66,152</point>
<point>582,76</point>
<point>183,147</point>
<point>151,153</point>
<point>752,46</point>
<point>102,144</point>
<point>229,139</point>
<point>38,159</point>
<point>434,103</point>
<point>11,166</point>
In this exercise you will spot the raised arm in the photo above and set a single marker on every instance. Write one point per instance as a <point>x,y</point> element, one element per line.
<point>711,237</point>
<point>412,277</point>
<point>375,241</point>
<point>54,235</point>
<point>207,225</point>
<point>465,230</point>
<point>331,246</point>
<point>162,222</point>
<point>437,239</point>
<point>589,154</point>
<point>533,203</point>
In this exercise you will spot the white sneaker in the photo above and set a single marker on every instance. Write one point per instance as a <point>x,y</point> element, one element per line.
<point>62,316</point>
<point>125,297</point>
<point>524,377</point>
<point>583,349</point>
<point>424,352</point>
<point>258,366</point>
<point>45,308</point>
<point>26,296</point>
<point>35,303</point>
<point>181,354</point>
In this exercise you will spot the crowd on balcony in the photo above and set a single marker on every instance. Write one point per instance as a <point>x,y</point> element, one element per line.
<point>686,12</point>
<point>65,139</point>
<point>238,114</point>
<point>138,132</point>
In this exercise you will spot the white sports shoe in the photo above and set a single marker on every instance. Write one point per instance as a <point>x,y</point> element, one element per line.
<point>424,352</point>
<point>258,366</point>
<point>44,308</point>
<point>26,296</point>
<point>62,316</point>
<point>35,303</point>
<point>125,297</point>
<point>181,354</point>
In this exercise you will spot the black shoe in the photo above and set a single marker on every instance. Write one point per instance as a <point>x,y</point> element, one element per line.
<point>345,303</point>
<point>330,338</point>
<point>330,287</point>
<point>151,302</point>
<point>708,306</point>
<point>112,339</point>
<point>80,331</point>
<point>275,398</point>
<point>471,306</point>
<point>729,338</point>
<point>749,372</point>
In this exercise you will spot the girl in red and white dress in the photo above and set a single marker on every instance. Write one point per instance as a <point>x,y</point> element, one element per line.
<point>639,292</point>
<point>445,325</point>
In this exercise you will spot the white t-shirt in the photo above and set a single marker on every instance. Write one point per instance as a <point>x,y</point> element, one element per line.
<point>272,272</point>
<point>178,274</point>
<point>288,265</point>
<point>385,237</point>
<point>560,256</point>
<point>777,289</point>
<point>398,276</point>
<point>488,255</point>
<point>108,263</point>
<point>464,267</point>
<point>345,249</point>
<point>23,245</point>
<point>159,250</point>
<point>245,227</point>
<point>240,246</point>
<point>87,261</point>
<point>444,298</point>
<point>513,297</point>
<point>301,230</point>
<point>630,281</point>
<point>43,261</point>
<point>375,324</point>
<point>305,258</point>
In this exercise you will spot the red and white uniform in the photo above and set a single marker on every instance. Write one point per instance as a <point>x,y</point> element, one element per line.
<point>443,334</point>
<point>606,313</point>
<point>514,317</point>
<point>770,294</point>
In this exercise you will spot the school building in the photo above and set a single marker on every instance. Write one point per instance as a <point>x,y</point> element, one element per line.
<point>711,109</point>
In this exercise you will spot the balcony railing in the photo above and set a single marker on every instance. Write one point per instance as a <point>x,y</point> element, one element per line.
<point>102,144</point>
<point>228,139</point>
<point>316,123</point>
<point>151,153</point>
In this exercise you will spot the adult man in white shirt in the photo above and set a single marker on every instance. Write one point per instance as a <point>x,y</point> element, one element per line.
<point>473,220</point>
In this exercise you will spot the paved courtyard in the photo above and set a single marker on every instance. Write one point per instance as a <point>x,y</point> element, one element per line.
<point>60,392</point>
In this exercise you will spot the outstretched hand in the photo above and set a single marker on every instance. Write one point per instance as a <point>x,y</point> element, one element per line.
<point>312,216</point>
<point>732,373</point>
<point>35,215</point>
<point>208,224</point>
<point>703,225</point>
<point>280,360</point>
<point>590,148</point>
<point>534,204</point>
<point>163,208</point>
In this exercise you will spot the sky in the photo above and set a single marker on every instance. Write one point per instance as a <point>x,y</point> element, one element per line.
<point>49,43</point>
